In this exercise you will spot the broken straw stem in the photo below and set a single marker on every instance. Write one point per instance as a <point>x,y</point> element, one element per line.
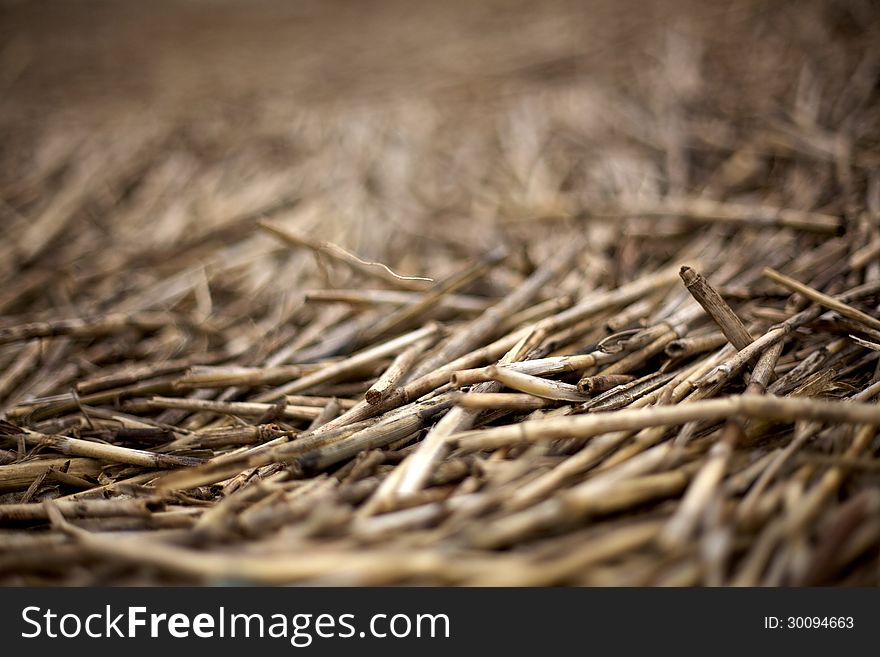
<point>585,426</point>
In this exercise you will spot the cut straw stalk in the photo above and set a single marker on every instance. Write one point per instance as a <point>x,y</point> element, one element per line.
<point>805,368</point>
<point>90,177</point>
<point>705,210</point>
<point>690,346</point>
<point>747,511</point>
<point>832,303</point>
<point>435,295</point>
<point>247,409</point>
<point>222,377</point>
<point>657,338</point>
<point>498,401</point>
<point>254,291</point>
<point>104,452</point>
<point>225,436</point>
<point>535,313</point>
<point>353,363</point>
<point>754,406</point>
<point>669,388</point>
<point>640,464</point>
<point>341,338</point>
<point>536,386</point>
<point>395,372</point>
<point>427,383</point>
<point>130,375</point>
<point>252,489</point>
<point>131,508</point>
<point>418,468</point>
<point>716,307</point>
<point>629,340</point>
<point>708,480</point>
<point>685,390</point>
<point>370,438</point>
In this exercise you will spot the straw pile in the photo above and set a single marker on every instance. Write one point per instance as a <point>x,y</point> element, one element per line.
<point>547,326</point>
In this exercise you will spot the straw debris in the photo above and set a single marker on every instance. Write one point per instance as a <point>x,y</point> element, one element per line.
<point>636,344</point>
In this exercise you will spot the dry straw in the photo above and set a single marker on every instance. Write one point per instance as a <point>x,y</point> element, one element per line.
<point>641,347</point>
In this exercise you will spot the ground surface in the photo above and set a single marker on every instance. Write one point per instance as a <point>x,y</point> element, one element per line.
<point>207,372</point>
